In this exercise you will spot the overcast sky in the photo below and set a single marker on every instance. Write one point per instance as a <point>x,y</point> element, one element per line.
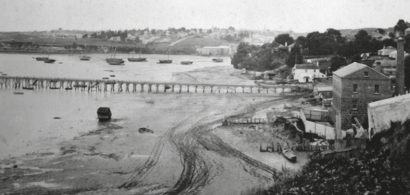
<point>296,15</point>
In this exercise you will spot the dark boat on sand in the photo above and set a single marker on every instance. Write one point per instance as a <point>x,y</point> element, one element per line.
<point>68,88</point>
<point>104,113</point>
<point>54,87</point>
<point>85,58</point>
<point>49,61</point>
<point>186,62</point>
<point>41,58</point>
<point>114,61</point>
<point>288,154</point>
<point>28,88</point>
<point>218,60</point>
<point>139,59</point>
<point>165,61</point>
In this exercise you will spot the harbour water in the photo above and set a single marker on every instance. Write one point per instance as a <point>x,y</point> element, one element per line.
<point>55,115</point>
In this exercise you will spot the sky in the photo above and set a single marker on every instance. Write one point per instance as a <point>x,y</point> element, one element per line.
<point>282,15</point>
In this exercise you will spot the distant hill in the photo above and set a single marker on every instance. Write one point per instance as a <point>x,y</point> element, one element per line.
<point>352,32</point>
<point>201,42</point>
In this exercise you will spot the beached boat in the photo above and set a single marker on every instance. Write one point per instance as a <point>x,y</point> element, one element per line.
<point>85,58</point>
<point>288,154</point>
<point>114,61</point>
<point>104,113</point>
<point>49,61</point>
<point>54,87</point>
<point>139,59</point>
<point>167,61</point>
<point>68,88</point>
<point>28,88</point>
<point>186,62</point>
<point>18,93</point>
<point>218,60</point>
<point>41,58</point>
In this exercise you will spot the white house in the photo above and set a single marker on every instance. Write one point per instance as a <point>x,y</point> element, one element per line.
<point>305,73</point>
<point>115,39</point>
<point>386,51</point>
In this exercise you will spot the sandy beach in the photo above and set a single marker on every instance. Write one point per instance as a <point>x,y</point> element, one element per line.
<point>187,153</point>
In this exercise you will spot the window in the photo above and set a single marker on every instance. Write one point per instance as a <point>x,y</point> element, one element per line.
<point>376,89</point>
<point>354,104</point>
<point>366,73</point>
<point>354,88</point>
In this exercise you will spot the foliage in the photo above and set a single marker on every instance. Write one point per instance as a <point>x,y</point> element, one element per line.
<point>336,62</point>
<point>401,26</point>
<point>295,57</point>
<point>407,72</point>
<point>284,39</point>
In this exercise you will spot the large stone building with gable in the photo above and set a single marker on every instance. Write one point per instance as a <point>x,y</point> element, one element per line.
<point>354,86</point>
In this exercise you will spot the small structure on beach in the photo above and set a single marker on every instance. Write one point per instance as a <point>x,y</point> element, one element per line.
<point>104,113</point>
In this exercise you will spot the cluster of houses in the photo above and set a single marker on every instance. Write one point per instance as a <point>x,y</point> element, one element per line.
<point>358,92</point>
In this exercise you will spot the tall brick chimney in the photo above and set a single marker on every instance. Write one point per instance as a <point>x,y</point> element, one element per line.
<point>400,67</point>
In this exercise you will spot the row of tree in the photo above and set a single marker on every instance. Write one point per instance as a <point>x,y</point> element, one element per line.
<point>329,43</point>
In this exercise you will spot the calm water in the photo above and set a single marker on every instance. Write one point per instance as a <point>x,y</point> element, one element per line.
<point>27,120</point>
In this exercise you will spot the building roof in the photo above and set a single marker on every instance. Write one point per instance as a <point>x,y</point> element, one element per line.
<point>407,29</point>
<point>324,88</point>
<point>349,69</point>
<point>306,66</point>
<point>382,113</point>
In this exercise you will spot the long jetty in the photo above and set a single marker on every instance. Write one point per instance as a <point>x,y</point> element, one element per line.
<point>133,86</point>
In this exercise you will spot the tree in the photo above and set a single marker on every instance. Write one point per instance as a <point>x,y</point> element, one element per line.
<point>381,31</point>
<point>335,34</point>
<point>401,26</point>
<point>336,62</point>
<point>85,36</point>
<point>231,28</point>
<point>284,38</point>
<point>295,57</point>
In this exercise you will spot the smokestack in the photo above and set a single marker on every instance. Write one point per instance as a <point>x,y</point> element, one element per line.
<point>400,67</point>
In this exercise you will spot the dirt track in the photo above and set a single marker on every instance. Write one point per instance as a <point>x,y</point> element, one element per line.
<point>198,169</point>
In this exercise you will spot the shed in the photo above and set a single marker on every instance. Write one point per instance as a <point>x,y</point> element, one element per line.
<point>104,113</point>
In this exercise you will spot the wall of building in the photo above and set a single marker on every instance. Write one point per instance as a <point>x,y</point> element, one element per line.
<point>344,98</point>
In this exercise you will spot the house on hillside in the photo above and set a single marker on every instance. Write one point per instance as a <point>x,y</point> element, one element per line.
<point>354,86</point>
<point>407,31</point>
<point>305,73</point>
<point>118,39</point>
<point>386,51</point>
<point>385,66</point>
<point>219,50</point>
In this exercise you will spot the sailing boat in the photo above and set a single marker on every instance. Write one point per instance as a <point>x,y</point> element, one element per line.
<point>85,57</point>
<point>139,59</point>
<point>219,59</point>
<point>48,59</point>
<point>167,61</point>
<point>113,60</point>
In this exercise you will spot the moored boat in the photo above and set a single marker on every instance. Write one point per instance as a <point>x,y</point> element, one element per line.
<point>115,61</point>
<point>186,62</point>
<point>41,58</point>
<point>49,61</point>
<point>218,60</point>
<point>139,59</point>
<point>165,61</point>
<point>68,88</point>
<point>85,58</point>
<point>28,88</point>
<point>288,154</point>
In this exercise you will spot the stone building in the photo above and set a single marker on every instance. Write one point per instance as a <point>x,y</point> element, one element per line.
<point>354,86</point>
